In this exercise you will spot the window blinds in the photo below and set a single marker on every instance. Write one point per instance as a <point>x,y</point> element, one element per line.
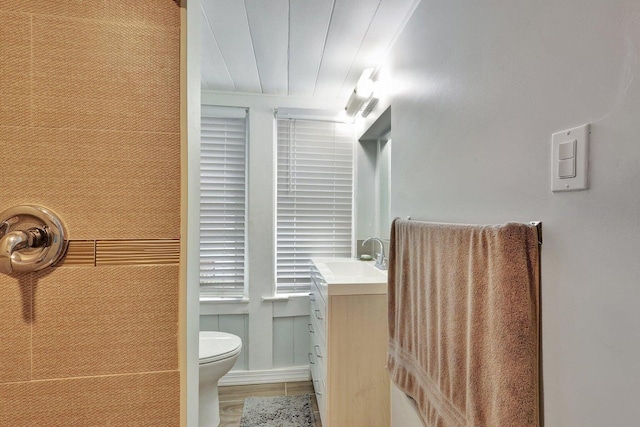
<point>222,201</point>
<point>314,198</point>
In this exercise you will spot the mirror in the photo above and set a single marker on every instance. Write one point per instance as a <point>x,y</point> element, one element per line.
<point>373,184</point>
<point>383,193</point>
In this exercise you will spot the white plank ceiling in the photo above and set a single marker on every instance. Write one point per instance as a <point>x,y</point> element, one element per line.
<point>296,47</point>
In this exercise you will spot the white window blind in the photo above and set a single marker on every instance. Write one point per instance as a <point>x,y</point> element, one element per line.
<point>314,198</point>
<point>223,151</point>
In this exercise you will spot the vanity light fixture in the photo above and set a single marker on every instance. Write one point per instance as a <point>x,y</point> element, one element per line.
<point>371,104</point>
<point>362,93</point>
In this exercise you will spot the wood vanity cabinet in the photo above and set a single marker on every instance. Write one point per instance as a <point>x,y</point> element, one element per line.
<point>348,328</point>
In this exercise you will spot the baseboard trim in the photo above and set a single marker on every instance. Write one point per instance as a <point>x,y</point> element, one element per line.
<point>295,373</point>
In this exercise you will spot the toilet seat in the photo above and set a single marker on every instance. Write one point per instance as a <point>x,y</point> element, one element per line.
<point>215,346</point>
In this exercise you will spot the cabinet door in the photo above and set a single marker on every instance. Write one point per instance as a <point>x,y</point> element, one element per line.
<point>357,379</point>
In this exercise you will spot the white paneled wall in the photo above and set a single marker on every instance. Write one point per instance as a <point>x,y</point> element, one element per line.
<point>290,337</point>
<point>290,341</point>
<point>296,47</point>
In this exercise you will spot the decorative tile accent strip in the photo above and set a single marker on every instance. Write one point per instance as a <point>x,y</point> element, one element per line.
<point>79,253</point>
<point>137,252</point>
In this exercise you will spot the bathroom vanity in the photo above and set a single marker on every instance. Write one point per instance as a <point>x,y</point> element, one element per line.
<point>348,327</point>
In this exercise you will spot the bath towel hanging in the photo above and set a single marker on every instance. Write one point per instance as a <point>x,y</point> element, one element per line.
<point>463,322</point>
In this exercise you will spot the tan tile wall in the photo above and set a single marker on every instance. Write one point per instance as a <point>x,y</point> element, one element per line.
<point>15,329</point>
<point>89,127</point>
<point>135,400</point>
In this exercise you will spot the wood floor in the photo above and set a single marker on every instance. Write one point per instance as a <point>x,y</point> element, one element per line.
<point>232,399</point>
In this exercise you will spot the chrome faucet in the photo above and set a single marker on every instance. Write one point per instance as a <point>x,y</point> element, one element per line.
<point>381,260</point>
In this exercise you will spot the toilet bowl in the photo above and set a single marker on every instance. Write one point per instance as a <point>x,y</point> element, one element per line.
<point>218,353</point>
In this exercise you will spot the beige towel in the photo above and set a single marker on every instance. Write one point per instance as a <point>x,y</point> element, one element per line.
<point>463,322</point>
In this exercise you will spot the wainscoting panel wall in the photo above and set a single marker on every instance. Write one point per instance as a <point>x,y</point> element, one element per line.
<point>290,341</point>
<point>90,128</point>
<point>290,338</point>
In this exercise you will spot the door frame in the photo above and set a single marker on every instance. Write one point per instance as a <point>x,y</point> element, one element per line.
<point>190,49</point>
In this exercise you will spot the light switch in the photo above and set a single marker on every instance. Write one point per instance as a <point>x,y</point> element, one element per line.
<point>570,159</point>
<point>567,168</point>
<point>567,150</point>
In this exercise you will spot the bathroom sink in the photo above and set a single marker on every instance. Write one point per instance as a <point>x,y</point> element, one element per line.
<point>349,271</point>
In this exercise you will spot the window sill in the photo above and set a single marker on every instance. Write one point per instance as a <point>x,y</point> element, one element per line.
<point>216,300</point>
<point>283,297</point>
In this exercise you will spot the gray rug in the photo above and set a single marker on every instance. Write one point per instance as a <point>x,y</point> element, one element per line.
<point>279,411</point>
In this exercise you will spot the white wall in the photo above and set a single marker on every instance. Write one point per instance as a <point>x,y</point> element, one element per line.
<point>478,89</point>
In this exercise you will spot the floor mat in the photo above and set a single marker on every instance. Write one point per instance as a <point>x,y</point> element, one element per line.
<point>278,411</point>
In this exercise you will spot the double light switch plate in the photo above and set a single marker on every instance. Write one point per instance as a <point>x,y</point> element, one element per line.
<point>570,159</point>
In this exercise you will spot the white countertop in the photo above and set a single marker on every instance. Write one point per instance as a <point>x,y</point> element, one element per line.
<point>350,276</point>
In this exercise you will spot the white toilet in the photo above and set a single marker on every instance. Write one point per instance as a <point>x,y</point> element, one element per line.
<point>218,353</point>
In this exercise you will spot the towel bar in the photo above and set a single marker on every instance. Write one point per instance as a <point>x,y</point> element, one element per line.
<point>537,224</point>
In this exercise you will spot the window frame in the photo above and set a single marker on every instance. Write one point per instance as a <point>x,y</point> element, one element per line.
<point>281,290</point>
<point>211,294</point>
